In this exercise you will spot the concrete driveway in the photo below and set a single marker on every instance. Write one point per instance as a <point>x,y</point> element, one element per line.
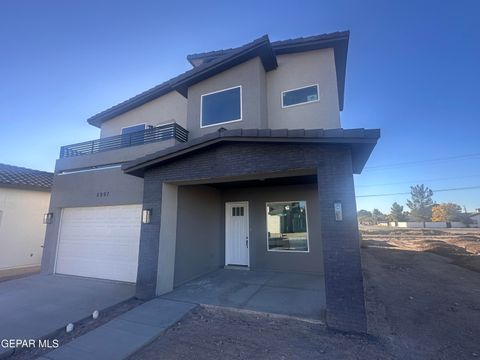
<point>37,305</point>
<point>293,294</point>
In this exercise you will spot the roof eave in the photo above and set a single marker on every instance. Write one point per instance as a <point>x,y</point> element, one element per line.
<point>130,104</point>
<point>261,48</point>
<point>361,146</point>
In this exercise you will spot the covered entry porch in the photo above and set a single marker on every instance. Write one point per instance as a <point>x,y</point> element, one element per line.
<point>267,225</point>
<point>187,189</point>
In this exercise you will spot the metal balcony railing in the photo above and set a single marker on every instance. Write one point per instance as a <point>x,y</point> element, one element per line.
<point>147,136</point>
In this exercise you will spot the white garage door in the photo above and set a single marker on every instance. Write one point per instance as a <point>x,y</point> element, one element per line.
<point>100,242</point>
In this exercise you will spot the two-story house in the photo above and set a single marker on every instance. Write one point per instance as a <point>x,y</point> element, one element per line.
<point>240,161</point>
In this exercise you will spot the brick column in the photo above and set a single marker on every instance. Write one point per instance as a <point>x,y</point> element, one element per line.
<point>149,239</point>
<point>341,248</point>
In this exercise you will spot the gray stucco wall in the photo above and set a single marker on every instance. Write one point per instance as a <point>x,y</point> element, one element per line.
<point>260,258</point>
<point>171,107</point>
<point>261,97</point>
<point>298,70</point>
<point>249,75</point>
<point>200,242</point>
<point>200,245</point>
<point>92,188</point>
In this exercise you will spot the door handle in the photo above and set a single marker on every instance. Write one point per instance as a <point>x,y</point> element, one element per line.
<point>246,243</point>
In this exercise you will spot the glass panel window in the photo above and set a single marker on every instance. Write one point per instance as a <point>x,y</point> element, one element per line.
<point>221,107</point>
<point>300,96</point>
<point>237,211</point>
<point>133,135</point>
<point>287,226</point>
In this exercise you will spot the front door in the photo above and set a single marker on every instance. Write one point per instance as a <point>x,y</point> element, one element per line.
<point>236,234</point>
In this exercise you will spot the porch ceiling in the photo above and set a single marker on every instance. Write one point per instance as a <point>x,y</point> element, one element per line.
<point>278,181</point>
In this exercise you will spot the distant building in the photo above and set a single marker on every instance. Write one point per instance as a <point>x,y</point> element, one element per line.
<point>476,217</point>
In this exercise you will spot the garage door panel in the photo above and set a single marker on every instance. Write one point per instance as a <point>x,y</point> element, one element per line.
<point>102,269</point>
<point>100,242</point>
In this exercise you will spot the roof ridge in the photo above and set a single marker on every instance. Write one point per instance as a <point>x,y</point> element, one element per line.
<point>274,43</point>
<point>25,178</point>
<point>221,51</point>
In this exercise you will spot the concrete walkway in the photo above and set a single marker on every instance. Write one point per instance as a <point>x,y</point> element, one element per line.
<point>292,294</point>
<point>35,306</point>
<point>124,335</point>
<point>300,295</point>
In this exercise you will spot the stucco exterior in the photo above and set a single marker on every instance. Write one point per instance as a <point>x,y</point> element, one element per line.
<point>171,107</point>
<point>22,230</point>
<point>199,245</point>
<point>91,188</point>
<point>299,70</point>
<point>200,235</point>
<point>260,258</point>
<point>261,98</point>
<point>249,76</point>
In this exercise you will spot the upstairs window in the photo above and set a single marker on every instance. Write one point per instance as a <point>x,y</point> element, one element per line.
<point>221,107</point>
<point>300,96</point>
<point>133,135</point>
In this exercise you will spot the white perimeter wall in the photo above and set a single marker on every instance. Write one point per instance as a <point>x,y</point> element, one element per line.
<point>22,231</point>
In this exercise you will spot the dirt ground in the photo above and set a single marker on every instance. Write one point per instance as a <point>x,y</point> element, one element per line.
<point>216,333</point>
<point>423,302</point>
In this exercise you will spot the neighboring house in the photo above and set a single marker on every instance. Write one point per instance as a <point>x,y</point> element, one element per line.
<point>240,161</point>
<point>24,199</point>
<point>476,218</point>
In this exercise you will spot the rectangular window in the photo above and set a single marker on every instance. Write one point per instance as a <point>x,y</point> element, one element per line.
<point>299,96</point>
<point>287,226</point>
<point>133,135</point>
<point>221,107</point>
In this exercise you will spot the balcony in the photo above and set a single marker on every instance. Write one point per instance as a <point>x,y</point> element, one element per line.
<point>151,135</point>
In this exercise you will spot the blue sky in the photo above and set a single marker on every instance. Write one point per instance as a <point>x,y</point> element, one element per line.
<point>413,71</point>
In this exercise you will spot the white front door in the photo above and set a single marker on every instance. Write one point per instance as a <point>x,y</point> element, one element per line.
<point>236,234</point>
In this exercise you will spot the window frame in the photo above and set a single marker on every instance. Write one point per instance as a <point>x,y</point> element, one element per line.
<point>124,136</point>
<point>225,122</point>
<point>306,224</point>
<point>129,126</point>
<point>302,103</point>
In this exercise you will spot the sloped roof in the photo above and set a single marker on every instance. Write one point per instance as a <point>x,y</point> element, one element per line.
<point>23,178</point>
<point>361,141</point>
<point>209,64</point>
